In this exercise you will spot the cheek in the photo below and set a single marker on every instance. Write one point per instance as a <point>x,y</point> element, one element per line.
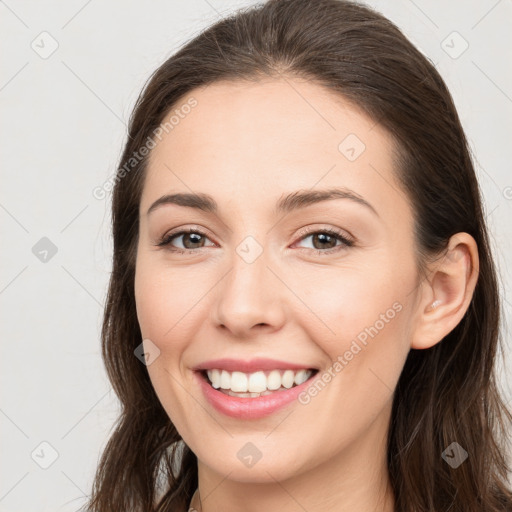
<point>162,303</point>
<point>348,300</point>
<point>363,323</point>
<point>165,300</point>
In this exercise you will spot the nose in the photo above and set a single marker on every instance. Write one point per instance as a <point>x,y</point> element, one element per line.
<point>250,299</point>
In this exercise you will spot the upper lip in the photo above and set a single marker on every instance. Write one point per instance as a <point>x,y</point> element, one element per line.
<point>250,366</point>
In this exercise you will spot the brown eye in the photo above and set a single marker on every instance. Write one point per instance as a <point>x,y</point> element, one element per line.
<point>325,241</point>
<point>191,239</point>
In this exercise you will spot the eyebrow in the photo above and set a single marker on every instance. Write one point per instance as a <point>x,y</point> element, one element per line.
<point>287,204</point>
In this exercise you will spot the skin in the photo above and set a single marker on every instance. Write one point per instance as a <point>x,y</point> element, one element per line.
<point>247,145</point>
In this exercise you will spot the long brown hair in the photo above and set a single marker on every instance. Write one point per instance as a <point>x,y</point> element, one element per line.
<point>448,393</point>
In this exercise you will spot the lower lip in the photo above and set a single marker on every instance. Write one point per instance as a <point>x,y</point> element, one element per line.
<point>249,408</point>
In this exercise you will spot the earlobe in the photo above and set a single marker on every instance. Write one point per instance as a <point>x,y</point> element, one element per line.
<point>447,292</point>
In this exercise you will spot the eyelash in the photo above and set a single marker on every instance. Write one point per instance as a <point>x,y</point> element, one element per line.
<point>346,242</point>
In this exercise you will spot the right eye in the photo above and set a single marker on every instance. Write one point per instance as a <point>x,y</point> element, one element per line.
<point>191,236</point>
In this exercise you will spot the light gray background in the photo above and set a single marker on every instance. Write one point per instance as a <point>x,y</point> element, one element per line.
<point>63,125</point>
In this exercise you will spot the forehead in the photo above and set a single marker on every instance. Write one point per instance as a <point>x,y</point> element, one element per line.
<point>271,115</point>
<point>265,138</point>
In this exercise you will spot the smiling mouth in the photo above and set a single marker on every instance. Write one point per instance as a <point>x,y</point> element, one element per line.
<point>256,384</point>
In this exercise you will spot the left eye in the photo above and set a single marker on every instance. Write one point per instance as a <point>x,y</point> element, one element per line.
<point>326,239</point>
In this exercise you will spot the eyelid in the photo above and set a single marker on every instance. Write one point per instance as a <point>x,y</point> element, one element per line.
<point>180,231</point>
<point>308,230</point>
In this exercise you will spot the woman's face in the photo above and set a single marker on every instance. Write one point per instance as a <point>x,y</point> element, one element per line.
<point>268,279</point>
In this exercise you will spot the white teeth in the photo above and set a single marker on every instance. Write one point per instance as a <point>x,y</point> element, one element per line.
<point>301,376</point>
<point>215,378</point>
<point>239,382</point>
<point>288,378</point>
<point>257,383</point>
<point>274,380</point>
<point>225,379</point>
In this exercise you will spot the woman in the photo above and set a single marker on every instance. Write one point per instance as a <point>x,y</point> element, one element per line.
<point>303,310</point>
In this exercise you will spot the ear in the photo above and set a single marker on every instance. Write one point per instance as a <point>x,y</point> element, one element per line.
<point>447,291</point>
